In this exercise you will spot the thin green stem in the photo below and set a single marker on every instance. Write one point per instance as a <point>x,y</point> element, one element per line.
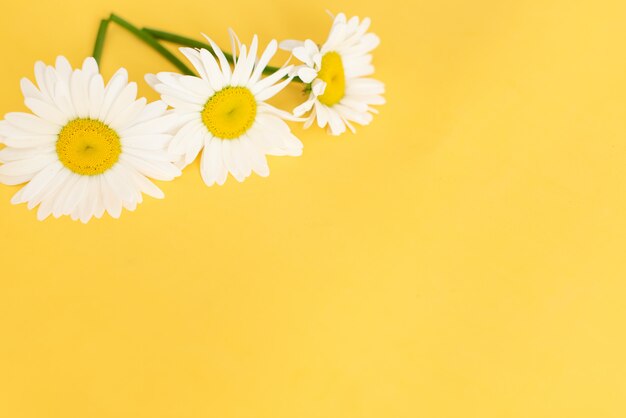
<point>152,42</point>
<point>181,40</point>
<point>99,45</point>
<point>192,43</point>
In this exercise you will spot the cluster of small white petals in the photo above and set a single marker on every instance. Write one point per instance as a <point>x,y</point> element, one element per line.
<point>350,39</point>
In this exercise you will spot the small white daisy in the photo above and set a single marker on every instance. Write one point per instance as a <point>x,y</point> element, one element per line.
<point>88,147</point>
<point>223,112</point>
<point>340,92</point>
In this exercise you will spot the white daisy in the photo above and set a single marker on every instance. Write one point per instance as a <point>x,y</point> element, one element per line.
<point>88,147</point>
<point>340,92</point>
<point>223,112</point>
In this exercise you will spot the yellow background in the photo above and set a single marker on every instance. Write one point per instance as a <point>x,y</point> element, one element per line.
<point>463,256</point>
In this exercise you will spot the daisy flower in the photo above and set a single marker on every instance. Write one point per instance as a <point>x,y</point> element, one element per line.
<point>223,112</point>
<point>336,73</point>
<point>87,147</point>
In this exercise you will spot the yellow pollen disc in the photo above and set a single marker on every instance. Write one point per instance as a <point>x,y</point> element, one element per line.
<point>230,112</point>
<point>332,73</point>
<point>88,146</point>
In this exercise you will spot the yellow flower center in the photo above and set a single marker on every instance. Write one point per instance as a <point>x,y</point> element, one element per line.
<point>230,112</point>
<point>332,73</point>
<point>88,146</point>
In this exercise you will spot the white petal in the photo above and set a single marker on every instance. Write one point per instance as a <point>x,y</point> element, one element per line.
<point>15,137</point>
<point>209,159</point>
<point>180,104</point>
<point>46,111</point>
<point>304,107</point>
<point>290,44</point>
<point>122,103</point>
<point>267,55</point>
<point>159,170</point>
<point>15,180</point>
<point>79,93</point>
<point>146,186</point>
<point>234,42</point>
<point>250,61</point>
<point>188,133</point>
<point>112,91</point>
<point>148,141</point>
<point>9,154</point>
<point>269,81</point>
<point>240,67</point>
<point>28,166</point>
<point>322,114</point>
<point>151,79</point>
<point>198,86</point>
<point>59,200</point>
<point>227,158</point>
<point>256,157</point>
<point>240,159</point>
<point>273,90</point>
<point>310,120</point>
<point>318,87</point>
<point>40,184</point>
<point>111,201</point>
<point>152,111</point>
<point>219,169</point>
<point>128,116</point>
<point>120,184</point>
<point>63,69</point>
<point>303,55</point>
<point>267,108</point>
<point>354,104</point>
<point>31,123</point>
<point>76,195</point>
<point>171,84</point>
<point>336,125</point>
<point>30,90</point>
<point>149,154</point>
<point>157,125</point>
<point>225,66</point>
<point>306,74</point>
<point>96,95</point>
<point>90,66</point>
<point>365,86</point>
<point>362,118</point>
<point>40,78</point>
<point>194,57</point>
<point>62,99</point>
<point>216,78</point>
<point>91,202</point>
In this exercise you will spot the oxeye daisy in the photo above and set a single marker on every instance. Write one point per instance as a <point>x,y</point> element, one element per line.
<point>87,147</point>
<point>223,112</point>
<point>336,73</point>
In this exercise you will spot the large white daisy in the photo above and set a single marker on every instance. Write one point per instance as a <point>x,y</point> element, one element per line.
<point>88,147</point>
<point>336,73</point>
<point>223,112</point>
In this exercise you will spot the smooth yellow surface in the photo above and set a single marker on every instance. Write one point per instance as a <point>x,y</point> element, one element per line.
<point>463,256</point>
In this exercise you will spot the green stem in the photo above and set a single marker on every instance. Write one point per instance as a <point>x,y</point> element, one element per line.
<point>151,41</point>
<point>192,43</point>
<point>99,45</point>
<point>181,40</point>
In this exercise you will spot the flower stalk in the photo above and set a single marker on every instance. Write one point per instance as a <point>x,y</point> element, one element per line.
<point>192,43</point>
<point>152,36</point>
<point>140,34</point>
<point>99,45</point>
<point>152,42</point>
